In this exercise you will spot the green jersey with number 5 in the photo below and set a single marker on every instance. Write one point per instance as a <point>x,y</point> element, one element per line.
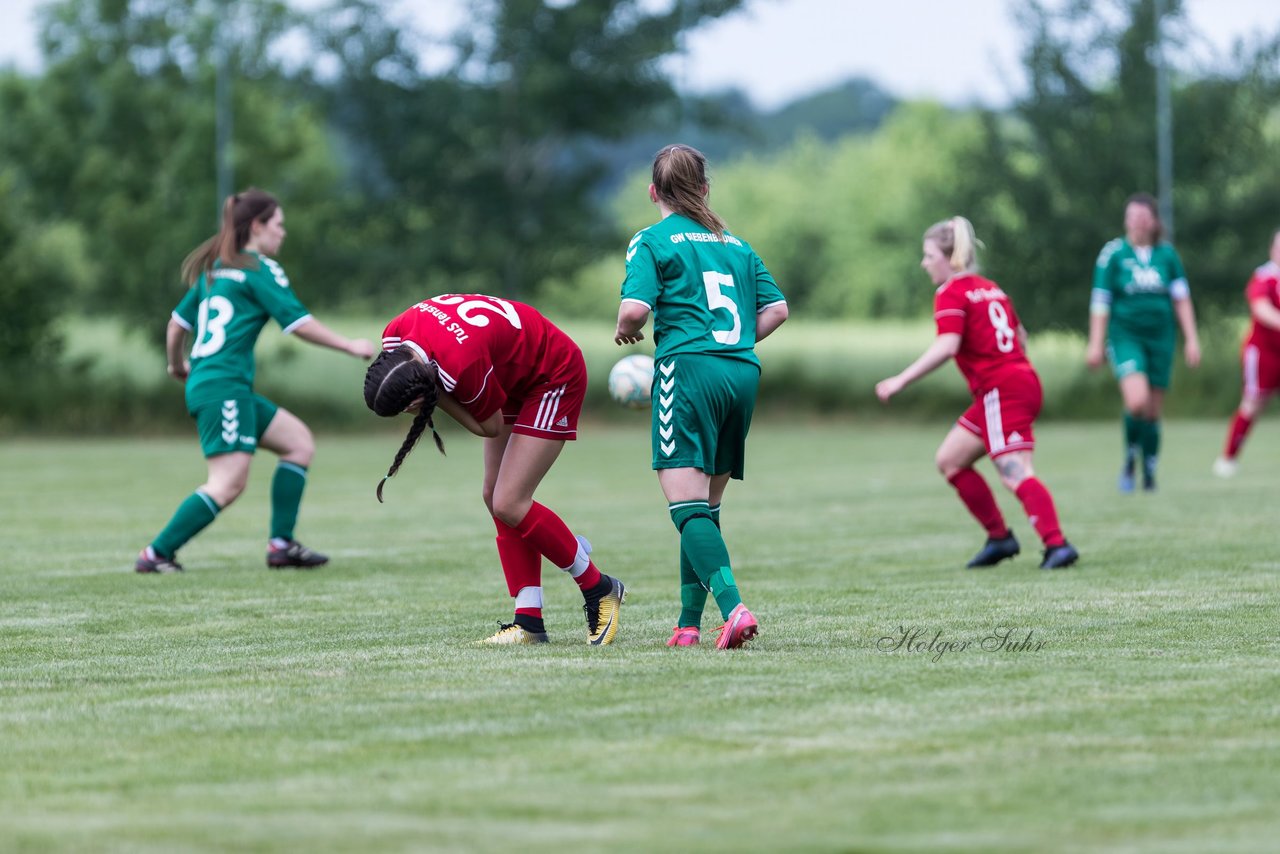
<point>704,292</point>
<point>226,309</point>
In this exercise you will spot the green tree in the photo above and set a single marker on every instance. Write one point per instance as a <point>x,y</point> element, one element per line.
<point>117,135</point>
<point>1047,188</point>
<point>489,169</point>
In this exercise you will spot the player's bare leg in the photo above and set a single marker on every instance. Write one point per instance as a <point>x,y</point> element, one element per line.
<point>1251,405</point>
<point>955,458</point>
<point>1018,475</point>
<point>525,461</point>
<point>228,474</point>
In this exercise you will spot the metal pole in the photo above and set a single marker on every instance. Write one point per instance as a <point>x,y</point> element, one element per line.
<point>1164,126</point>
<point>222,105</point>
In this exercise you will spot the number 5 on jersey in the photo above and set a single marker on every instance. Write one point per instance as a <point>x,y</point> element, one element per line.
<point>715,284</point>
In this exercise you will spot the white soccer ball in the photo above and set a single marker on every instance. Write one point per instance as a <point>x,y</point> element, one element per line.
<point>631,381</point>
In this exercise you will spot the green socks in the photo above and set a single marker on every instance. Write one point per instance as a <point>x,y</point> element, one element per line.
<point>1151,440</point>
<point>192,516</point>
<point>1134,431</point>
<point>286,496</point>
<point>701,542</point>
<point>693,596</point>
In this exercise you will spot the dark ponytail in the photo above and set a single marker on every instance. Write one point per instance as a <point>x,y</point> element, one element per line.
<point>394,380</point>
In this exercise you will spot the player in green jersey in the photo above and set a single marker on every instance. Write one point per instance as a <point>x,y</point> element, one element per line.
<point>712,300</point>
<point>1139,292</point>
<point>235,288</point>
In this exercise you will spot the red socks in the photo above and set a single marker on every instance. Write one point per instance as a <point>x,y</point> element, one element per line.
<point>522,566</point>
<point>545,531</point>
<point>1038,503</point>
<point>1240,427</point>
<point>977,496</point>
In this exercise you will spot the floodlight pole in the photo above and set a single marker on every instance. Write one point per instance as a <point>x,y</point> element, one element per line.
<point>1164,126</point>
<point>222,104</point>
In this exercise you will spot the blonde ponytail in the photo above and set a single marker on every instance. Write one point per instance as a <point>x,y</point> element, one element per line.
<point>958,242</point>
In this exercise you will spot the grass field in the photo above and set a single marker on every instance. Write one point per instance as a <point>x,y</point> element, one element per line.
<point>232,708</point>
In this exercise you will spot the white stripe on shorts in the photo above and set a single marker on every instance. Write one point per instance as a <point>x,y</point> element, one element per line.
<point>1251,356</point>
<point>995,427</point>
<point>547,409</point>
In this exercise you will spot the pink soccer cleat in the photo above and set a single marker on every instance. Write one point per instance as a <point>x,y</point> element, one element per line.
<point>684,636</point>
<point>738,629</point>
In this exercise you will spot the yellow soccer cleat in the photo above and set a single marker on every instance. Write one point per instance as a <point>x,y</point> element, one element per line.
<point>509,634</point>
<point>602,613</point>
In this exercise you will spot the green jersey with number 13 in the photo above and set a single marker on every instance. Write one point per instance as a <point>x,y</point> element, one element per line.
<point>705,293</point>
<point>226,309</point>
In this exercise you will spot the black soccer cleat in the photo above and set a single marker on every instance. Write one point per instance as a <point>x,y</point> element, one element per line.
<point>294,556</point>
<point>602,610</point>
<point>150,561</point>
<point>1060,557</point>
<point>995,550</point>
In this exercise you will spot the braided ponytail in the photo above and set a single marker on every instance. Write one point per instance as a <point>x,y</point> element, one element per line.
<point>394,381</point>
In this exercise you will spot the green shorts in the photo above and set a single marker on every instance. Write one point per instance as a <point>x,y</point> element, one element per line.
<point>234,424</point>
<point>702,408</point>
<point>1130,354</point>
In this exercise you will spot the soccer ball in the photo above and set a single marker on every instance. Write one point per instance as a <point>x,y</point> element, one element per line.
<point>631,381</point>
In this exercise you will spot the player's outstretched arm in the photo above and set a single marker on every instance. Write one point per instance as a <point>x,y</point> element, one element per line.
<point>315,332</point>
<point>175,349</point>
<point>943,348</point>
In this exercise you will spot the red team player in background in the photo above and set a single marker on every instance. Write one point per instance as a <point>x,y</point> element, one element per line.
<point>506,373</point>
<point>979,328</point>
<point>1259,357</point>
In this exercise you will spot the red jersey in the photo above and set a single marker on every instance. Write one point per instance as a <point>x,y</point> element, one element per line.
<point>1265,284</point>
<point>982,315</point>
<point>489,350</point>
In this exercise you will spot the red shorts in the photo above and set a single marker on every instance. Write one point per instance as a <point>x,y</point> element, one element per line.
<point>1002,417</point>
<point>1261,368</point>
<point>550,408</point>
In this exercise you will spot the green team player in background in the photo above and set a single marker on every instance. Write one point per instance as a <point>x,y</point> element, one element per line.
<point>1139,289</point>
<point>712,300</point>
<point>235,288</point>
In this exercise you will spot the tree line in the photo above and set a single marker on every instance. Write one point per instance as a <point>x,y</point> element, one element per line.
<point>505,170</point>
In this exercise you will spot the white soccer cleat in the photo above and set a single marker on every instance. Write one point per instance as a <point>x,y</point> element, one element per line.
<point>1224,467</point>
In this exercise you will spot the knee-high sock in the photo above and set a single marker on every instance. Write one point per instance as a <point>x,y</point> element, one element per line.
<point>693,596</point>
<point>1134,432</point>
<point>700,539</point>
<point>976,495</point>
<point>548,533</point>
<point>1038,503</point>
<point>192,516</point>
<point>1151,440</point>
<point>287,485</point>
<point>522,567</point>
<point>1240,427</point>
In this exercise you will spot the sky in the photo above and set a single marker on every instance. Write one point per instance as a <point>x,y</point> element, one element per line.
<point>955,51</point>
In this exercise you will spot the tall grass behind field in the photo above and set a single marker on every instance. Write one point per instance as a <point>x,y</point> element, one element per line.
<point>114,381</point>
